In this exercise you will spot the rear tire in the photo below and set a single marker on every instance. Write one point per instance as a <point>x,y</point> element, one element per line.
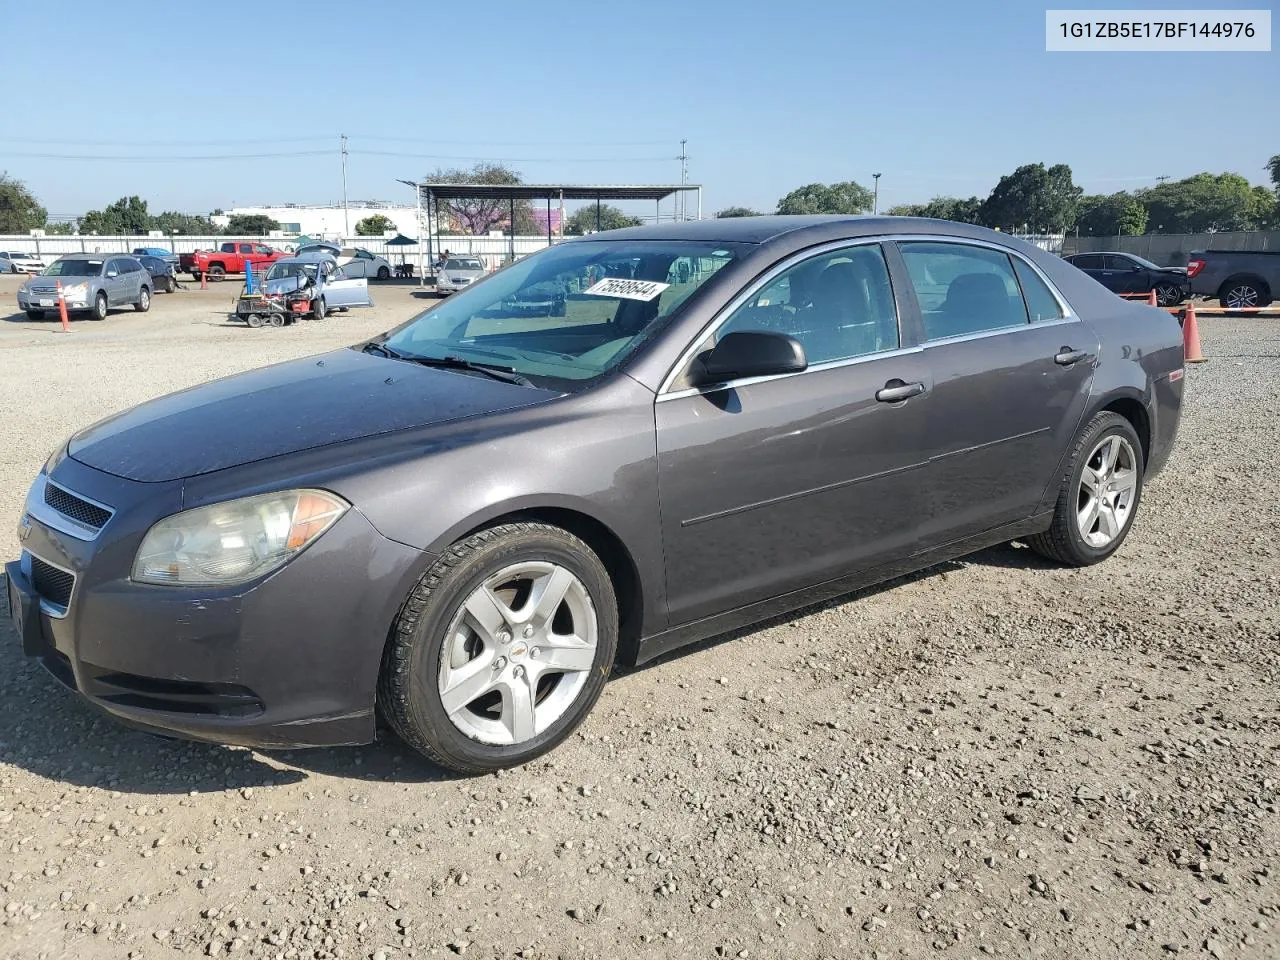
<point>196,275</point>
<point>1243,294</point>
<point>518,665</point>
<point>144,301</point>
<point>1088,482</point>
<point>216,273</point>
<point>277,319</point>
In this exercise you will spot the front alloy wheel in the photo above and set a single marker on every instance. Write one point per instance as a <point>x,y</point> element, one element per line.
<point>502,649</point>
<point>1168,295</point>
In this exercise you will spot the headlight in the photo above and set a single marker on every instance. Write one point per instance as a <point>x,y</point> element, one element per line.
<point>77,291</point>
<point>232,542</point>
<point>55,458</point>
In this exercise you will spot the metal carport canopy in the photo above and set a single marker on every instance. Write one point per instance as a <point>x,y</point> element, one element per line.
<point>541,191</point>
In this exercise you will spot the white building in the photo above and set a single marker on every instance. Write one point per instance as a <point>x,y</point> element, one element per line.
<point>326,220</point>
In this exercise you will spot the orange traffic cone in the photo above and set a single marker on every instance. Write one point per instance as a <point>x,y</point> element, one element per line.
<point>1191,336</point>
<point>1153,299</point>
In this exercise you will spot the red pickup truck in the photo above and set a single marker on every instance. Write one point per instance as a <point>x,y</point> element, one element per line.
<point>229,258</point>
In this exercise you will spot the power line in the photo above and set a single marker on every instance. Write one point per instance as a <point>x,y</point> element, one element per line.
<point>477,156</point>
<point>151,158</point>
<point>376,139</point>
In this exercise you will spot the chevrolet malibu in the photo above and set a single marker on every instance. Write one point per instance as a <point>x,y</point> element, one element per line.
<point>461,524</point>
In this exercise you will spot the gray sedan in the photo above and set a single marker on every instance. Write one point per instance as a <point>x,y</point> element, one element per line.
<point>90,283</point>
<point>458,273</point>
<point>461,524</point>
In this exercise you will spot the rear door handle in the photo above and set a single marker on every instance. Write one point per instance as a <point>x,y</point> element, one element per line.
<point>897,390</point>
<point>1066,356</point>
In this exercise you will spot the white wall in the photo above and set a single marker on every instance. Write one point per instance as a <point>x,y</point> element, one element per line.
<point>327,221</point>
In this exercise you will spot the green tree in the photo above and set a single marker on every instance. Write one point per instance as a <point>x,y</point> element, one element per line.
<point>906,210</point>
<point>59,229</point>
<point>374,226</point>
<point>737,212</point>
<point>1273,168</point>
<point>1034,197</point>
<point>184,224</point>
<point>128,216</point>
<point>945,208</point>
<point>478,216</point>
<point>251,224</point>
<point>1113,215</point>
<point>1204,202</point>
<point>20,211</point>
<point>844,197</point>
<point>583,220</point>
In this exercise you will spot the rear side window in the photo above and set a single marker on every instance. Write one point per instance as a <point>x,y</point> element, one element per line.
<point>1088,261</point>
<point>246,248</point>
<point>1120,263</point>
<point>1041,304</point>
<point>963,290</point>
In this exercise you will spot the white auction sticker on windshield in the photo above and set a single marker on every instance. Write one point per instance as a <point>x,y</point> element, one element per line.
<point>628,289</point>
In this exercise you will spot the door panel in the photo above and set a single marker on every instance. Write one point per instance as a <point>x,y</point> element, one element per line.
<point>774,485</point>
<point>1003,413</point>
<point>347,293</point>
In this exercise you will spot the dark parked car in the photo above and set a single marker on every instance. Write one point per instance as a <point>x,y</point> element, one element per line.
<point>160,253</point>
<point>1238,278</point>
<point>1127,273</point>
<point>465,521</point>
<point>161,272</point>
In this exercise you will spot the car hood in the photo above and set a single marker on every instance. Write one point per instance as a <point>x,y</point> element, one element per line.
<point>282,285</point>
<point>287,408</point>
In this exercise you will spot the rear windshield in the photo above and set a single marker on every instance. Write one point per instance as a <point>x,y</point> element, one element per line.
<point>458,263</point>
<point>74,268</point>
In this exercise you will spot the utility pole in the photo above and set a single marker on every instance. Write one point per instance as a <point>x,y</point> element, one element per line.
<point>875,197</point>
<point>684,173</point>
<point>1163,178</point>
<point>346,225</point>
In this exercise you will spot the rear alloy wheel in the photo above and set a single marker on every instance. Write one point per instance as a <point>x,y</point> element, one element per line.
<point>144,301</point>
<point>100,307</point>
<point>1241,295</point>
<point>216,273</point>
<point>502,648</point>
<point>1099,495</point>
<point>1168,295</point>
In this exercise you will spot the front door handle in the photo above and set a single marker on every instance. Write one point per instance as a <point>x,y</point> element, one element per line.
<point>1066,356</point>
<point>896,391</point>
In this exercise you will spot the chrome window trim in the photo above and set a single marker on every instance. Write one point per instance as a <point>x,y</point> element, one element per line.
<point>816,368</point>
<point>666,393</point>
<point>725,312</point>
<point>48,607</point>
<point>38,510</point>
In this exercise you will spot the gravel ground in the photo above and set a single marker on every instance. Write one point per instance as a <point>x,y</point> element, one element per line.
<point>995,757</point>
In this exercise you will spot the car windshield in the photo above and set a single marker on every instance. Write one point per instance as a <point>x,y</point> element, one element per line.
<point>74,268</point>
<point>280,270</point>
<point>459,263</point>
<point>568,313</point>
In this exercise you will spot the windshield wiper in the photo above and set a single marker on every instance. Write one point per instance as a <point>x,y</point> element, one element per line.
<point>494,370</point>
<point>375,346</point>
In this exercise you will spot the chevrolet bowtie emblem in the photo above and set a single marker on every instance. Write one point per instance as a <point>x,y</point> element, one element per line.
<point>24,527</point>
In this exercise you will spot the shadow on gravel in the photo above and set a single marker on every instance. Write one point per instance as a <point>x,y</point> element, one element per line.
<point>1008,556</point>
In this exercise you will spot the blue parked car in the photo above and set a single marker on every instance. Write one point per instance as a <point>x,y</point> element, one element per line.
<point>168,256</point>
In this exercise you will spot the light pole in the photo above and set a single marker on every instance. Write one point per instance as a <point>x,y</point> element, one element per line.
<point>875,199</point>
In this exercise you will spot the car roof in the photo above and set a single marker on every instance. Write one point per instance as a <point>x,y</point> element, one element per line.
<point>766,229</point>
<point>307,258</point>
<point>94,256</point>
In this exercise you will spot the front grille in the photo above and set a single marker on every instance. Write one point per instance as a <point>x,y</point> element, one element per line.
<point>77,508</point>
<point>51,583</point>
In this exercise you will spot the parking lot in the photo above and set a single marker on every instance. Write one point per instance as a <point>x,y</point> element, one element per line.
<point>996,756</point>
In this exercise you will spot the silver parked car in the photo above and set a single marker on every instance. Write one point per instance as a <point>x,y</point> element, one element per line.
<point>91,283</point>
<point>308,284</point>
<point>458,273</point>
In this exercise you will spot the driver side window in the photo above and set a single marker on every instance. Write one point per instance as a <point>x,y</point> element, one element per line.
<point>839,305</point>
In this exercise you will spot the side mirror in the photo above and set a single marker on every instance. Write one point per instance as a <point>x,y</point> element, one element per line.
<point>751,353</point>
<point>112,273</point>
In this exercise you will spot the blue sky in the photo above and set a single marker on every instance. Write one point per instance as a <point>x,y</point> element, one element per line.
<point>940,97</point>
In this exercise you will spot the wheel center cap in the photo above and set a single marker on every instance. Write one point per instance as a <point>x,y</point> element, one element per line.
<point>519,649</point>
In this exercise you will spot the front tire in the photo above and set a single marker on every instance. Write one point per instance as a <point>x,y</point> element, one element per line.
<point>99,307</point>
<point>502,648</point>
<point>35,314</point>
<point>1099,496</point>
<point>384,273</point>
<point>318,309</point>
<point>1168,295</point>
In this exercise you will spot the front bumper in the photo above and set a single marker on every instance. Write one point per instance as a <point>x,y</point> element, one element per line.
<point>289,660</point>
<point>49,301</point>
